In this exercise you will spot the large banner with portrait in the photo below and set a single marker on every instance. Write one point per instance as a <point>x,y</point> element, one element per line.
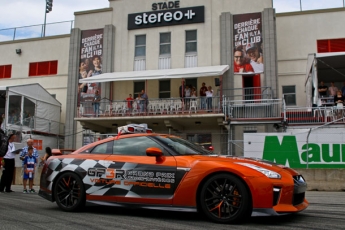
<point>90,64</point>
<point>248,56</point>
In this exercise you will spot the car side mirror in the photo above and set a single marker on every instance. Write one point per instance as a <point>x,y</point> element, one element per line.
<point>155,152</point>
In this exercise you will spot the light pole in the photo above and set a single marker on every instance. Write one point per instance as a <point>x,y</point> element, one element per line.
<point>49,7</point>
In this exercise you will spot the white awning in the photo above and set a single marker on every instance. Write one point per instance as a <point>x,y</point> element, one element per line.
<point>206,71</point>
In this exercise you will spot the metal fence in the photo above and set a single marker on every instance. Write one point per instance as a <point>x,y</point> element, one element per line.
<point>265,108</point>
<point>36,31</point>
<point>315,115</point>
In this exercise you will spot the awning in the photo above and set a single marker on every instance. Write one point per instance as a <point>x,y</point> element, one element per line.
<point>206,71</point>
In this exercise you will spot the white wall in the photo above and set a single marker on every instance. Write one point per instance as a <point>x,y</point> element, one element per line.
<point>297,35</point>
<point>38,50</point>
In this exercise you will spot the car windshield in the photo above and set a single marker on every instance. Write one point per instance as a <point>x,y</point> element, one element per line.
<point>183,147</point>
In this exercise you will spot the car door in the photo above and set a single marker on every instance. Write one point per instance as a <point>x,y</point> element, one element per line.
<point>138,178</point>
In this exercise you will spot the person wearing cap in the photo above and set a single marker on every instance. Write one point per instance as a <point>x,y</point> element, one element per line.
<point>255,57</point>
<point>240,66</point>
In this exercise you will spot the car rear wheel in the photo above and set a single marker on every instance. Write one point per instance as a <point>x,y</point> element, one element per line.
<point>69,192</point>
<point>225,199</point>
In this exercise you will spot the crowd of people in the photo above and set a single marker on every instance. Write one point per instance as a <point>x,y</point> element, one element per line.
<point>333,92</point>
<point>187,93</point>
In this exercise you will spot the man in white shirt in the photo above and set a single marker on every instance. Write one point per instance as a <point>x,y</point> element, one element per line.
<point>7,172</point>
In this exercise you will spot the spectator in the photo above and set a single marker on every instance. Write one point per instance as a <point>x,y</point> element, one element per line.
<point>181,89</point>
<point>343,89</point>
<point>193,93</point>
<point>332,90</point>
<point>30,143</point>
<point>203,90</point>
<point>29,171</point>
<point>322,89</point>
<point>46,155</point>
<point>96,100</point>
<point>145,100</point>
<point>129,100</point>
<point>209,95</point>
<point>7,172</point>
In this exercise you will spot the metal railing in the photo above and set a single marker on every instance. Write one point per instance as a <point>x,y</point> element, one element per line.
<point>261,108</point>
<point>36,31</point>
<point>315,115</point>
<point>170,106</point>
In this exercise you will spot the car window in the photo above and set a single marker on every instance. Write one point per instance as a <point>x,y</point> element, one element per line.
<point>183,147</point>
<point>135,146</point>
<point>104,148</point>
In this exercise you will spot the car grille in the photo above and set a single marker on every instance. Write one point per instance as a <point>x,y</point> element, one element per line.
<point>298,198</point>
<point>300,188</point>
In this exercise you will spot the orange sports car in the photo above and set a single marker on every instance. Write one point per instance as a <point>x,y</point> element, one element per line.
<point>156,171</point>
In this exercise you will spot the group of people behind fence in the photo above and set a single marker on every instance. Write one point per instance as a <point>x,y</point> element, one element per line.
<point>187,94</point>
<point>28,155</point>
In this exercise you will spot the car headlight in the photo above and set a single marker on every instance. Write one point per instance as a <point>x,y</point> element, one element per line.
<point>266,172</point>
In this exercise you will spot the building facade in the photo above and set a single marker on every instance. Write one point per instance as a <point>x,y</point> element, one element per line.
<point>138,42</point>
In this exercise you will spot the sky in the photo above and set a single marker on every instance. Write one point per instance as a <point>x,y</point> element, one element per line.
<point>19,13</point>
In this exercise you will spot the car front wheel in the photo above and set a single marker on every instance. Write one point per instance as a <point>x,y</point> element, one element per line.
<point>225,199</point>
<point>69,192</point>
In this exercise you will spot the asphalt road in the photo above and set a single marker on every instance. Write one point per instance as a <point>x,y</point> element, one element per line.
<point>29,211</point>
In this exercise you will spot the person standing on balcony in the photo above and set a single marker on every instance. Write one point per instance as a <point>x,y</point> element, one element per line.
<point>343,89</point>
<point>129,100</point>
<point>332,89</point>
<point>145,100</point>
<point>181,90</point>
<point>209,95</point>
<point>203,90</point>
<point>323,89</point>
<point>95,102</point>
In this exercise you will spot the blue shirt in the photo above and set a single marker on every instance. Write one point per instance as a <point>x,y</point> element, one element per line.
<point>29,162</point>
<point>25,152</point>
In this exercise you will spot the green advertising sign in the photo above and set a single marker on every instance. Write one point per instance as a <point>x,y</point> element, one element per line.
<point>286,150</point>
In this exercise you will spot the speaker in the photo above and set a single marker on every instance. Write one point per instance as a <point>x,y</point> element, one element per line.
<point>216,82</point>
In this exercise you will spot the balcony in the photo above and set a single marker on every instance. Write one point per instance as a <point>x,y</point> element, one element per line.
<point>173,113</point>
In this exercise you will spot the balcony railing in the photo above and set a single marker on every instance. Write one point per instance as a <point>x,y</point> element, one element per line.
<point>168,106</point>
<point>258,109</point>
<point>315,115</point>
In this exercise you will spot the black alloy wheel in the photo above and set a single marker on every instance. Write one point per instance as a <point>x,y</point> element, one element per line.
<point>225,199</point>
<point>69,192</point>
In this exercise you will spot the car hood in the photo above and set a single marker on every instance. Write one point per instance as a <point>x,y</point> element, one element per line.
<point>249,160</point>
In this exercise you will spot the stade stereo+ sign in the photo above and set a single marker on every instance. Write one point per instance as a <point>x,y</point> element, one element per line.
<point>167,17</point>
<point>293,151</point>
